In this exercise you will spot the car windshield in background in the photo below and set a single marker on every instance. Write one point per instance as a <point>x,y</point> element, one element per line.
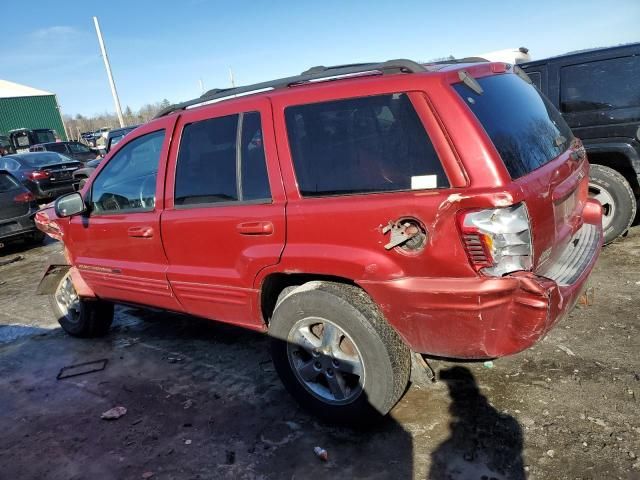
<point>525,128</point>
<point>44,137</point>
<point>7,183</point>
<point>39,159</point>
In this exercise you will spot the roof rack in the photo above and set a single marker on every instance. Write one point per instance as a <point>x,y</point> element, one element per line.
<point>310,75</point>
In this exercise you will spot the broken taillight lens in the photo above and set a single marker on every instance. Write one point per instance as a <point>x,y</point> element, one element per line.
<point>497,240</point>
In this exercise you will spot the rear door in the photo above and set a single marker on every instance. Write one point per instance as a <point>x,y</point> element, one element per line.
<point>225,215</point>
<point>118,246</point>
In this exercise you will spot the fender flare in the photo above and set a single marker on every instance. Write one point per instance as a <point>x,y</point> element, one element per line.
<point>621,146</point>
<point>58,267</point>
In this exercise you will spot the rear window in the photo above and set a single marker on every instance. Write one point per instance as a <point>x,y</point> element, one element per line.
<point>7,183</point>
<point>525,128</point>
<point>38,159</point>
<point>358,145</point>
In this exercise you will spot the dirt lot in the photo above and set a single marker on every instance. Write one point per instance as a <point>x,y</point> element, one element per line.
<point>204,402</point>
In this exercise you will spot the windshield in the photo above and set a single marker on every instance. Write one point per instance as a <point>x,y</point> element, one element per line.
<point>44,136</point>
<point>525,128</point>
<point>39,159</point>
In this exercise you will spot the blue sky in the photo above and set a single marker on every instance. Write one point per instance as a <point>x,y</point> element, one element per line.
<point>160,49</point>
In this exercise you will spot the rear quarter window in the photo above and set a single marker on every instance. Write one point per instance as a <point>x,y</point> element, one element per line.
<point>523,125</point>
<point>359,145</point>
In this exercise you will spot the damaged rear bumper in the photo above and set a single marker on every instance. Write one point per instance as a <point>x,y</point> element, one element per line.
<point>485,317</point>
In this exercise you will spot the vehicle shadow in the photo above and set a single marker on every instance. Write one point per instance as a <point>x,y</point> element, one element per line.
<point>17,247</point>
<point>483,442</point>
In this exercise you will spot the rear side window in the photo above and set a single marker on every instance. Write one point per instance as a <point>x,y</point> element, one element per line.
<point>525,128</point>
<point>601,85</point>
<point>78,148</point>
<point>222,160</point>
<point>8,183</point>
<point>358,145</point>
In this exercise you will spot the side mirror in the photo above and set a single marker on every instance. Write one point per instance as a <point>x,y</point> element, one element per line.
<point>69,205</point>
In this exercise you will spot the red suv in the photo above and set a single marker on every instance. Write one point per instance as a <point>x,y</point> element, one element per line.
<point>355,213</point>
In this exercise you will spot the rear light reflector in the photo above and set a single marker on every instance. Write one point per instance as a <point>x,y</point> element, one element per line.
<point>25,197</point>
<point>38,175</point>
<point>497,240</point>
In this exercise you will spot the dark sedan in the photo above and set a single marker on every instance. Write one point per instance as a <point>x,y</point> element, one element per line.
<point>46,174</point>
<point>74,150</point>
<point>17,208</point>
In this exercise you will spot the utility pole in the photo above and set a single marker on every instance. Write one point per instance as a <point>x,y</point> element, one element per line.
<point>108,67</point>
<point>201,86</point>
<point>233,83</point>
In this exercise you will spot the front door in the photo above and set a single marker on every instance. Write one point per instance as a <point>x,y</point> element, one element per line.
<point>117,245</point>
<point>224,219</point>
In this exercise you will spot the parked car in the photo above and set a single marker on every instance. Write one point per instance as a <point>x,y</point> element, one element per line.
<point>114,136</point>
<point>22,138</point>
<point>74,150</point>
<point>598,93</point>
<point>17,208</point>
<point>46,174</point>
<point>80,175</point>
<point>5,146</point>
<point>355,213</point>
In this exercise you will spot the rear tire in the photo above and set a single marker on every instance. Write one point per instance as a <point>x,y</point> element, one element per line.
<point>336,354</point>
<point>616,196</point>
<point>77,316</point>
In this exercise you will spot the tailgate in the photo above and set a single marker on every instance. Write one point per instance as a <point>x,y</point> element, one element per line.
<point>540,154</point>
<point>555,196</point>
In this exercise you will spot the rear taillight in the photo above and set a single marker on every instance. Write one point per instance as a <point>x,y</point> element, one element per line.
<point>38,175</point>
<point>497,240</point>
<point>25,197</point>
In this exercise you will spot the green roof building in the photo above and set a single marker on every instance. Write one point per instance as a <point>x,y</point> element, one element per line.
<point>26,107</point>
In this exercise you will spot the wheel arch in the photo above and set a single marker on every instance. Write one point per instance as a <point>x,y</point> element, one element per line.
<point>274,283</point>
<point>619,156</point>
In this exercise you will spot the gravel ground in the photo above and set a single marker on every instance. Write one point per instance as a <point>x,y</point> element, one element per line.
<point>203,400</point>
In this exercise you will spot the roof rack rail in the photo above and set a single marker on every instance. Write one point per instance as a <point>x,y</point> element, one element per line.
<point>460,60</point>
<point>312,74</point>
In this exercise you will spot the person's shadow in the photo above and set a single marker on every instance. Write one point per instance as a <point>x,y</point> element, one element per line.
<point>484,444</point>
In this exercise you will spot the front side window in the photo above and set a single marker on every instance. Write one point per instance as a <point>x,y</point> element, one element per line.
<point>359,145</point>
<point>601,85</point>
<point>222,160</point>
<point>128,181</point>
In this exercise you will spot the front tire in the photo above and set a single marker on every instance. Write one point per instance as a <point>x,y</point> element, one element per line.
<point>77,316</point>
<point>615,195</point>
<point>336,354</point>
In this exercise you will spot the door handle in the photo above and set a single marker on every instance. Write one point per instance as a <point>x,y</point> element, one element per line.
<point>141,232</point>
<point>255,228</point>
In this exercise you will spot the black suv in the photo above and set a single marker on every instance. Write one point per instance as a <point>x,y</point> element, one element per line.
<point>598,93</point>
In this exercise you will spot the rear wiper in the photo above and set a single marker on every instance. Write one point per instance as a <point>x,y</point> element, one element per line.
<point>470,82</point>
